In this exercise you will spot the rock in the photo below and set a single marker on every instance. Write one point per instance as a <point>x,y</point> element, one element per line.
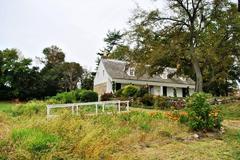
<point>222,130</point>
<point>196,136</point>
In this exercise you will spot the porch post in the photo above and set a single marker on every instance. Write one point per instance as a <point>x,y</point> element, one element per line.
<point>161,91</point>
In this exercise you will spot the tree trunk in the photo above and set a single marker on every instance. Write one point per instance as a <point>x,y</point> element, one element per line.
<point>199,78</point>
<point>195,63</point>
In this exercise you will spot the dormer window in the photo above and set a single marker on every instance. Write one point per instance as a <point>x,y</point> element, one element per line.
<point>183,78</point>
<point>164,76</point>
<point>131,71</point>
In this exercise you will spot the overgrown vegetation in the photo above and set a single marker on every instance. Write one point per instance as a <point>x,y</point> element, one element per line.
<point>202,116</point>
<point>140,134</point>
<point>76,96</point>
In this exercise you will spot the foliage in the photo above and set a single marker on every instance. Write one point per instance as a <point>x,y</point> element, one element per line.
<point>161,102</point>
<point>88,96</point>
<point>106,96</point>
<point>72,73</point>
<point>17,78</point>
<point>119,93</point>
<point>31,108</point>
<point>179,103</point>
<point>129,91</point>
<point>66,97</point>
<point>197,29</point>
<point>202,115</point>
<point>34,140</point>
<point>87,80</point>
<point>142,91</point>
<point>58,75</point>
<point>79,95</point>
<point>110,137</point>
<point>147,100</point>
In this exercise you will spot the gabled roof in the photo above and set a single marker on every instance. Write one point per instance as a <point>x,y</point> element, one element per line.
<point>117,70</point>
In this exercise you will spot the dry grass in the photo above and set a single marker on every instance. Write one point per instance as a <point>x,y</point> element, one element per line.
<point>135,135</point>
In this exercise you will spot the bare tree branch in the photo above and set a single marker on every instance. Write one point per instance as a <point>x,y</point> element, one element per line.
<point>180,2</point>
<point>174,20</point>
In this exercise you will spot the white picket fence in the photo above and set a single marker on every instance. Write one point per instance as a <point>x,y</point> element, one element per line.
<point>75,106</point>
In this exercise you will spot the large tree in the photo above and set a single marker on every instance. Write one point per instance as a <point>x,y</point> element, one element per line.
<point>115,46</point>
<point>52,73</point>
<point>182,38</point>
<point>72,73</point>
<point>17,78</point>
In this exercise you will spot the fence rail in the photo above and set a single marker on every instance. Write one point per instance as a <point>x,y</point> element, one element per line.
<point>75,106</point>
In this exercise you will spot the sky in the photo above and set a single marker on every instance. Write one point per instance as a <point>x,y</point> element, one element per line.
<point>78,27</point>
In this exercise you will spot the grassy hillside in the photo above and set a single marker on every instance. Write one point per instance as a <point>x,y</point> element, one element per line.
<point>140,134</point>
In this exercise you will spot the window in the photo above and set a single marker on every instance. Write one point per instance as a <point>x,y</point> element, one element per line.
<point>132,71</point>
<point>164,76</point>
<point>118,86</point>
<point>185,92</point>
<point>164,91</point>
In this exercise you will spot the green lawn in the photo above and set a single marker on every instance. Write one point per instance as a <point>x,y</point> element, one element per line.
<point>6,106</point>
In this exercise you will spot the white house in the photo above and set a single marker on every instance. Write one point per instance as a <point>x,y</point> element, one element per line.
<point>113,75</point>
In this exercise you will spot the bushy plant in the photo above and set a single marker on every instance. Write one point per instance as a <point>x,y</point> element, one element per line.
<point>129,91</point>
<point>202,115</point>
<point>34,140</point>
<point>178,103</point>
<point>147,100</point>
<point>66,97</point>
<point>30,108</point>
<point>118,93</point>
<point>88,96</point>
<point>142,91</point>
<point>161,102</point>
<point>79,95</point>
<point>106,96</point>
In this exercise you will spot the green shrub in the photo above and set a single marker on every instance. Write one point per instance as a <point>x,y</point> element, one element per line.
<point>202,115</point>
<point>183,119</point>
<point>145,127</point>
<point>30,108</point>
<point>142,91</point>
<point>66,97</point>
<point>129,91</point>
<point>88,96</point>
<point>34,140</point>
<point>119,93</point>
<point>147,100</point>
<point>161,103</point>
<point>76,96</point>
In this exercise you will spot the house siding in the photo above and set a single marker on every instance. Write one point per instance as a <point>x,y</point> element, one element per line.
<point>101,80</point>
<point>103,83</point>
<point>100,88</point>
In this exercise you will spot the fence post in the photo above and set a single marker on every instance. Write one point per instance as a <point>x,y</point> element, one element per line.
<point>77,111</point>
<point>119,106</point>
<point>128,106</point>
<point>103,109</point>
<point>96,109</point>
<point>73,109</point>
<point>48,111</point>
